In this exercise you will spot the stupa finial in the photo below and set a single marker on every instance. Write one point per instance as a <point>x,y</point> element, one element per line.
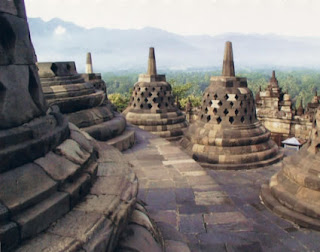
<point>152,68</point>
<point>89,69</point>
<point>228,64</point>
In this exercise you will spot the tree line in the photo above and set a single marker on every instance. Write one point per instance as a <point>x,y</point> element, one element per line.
<point>300,84</point>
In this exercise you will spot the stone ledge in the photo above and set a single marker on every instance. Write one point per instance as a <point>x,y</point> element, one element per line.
<point>124,141</point>
<point>35,148</point>
<point>108,129</point>
<point>22,195</point>
<point>72,104</point>
<point>90,117</point>
<point>37,218</point>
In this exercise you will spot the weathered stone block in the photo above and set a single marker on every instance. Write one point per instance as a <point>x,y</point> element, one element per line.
<point>81,140</point>
<point>25,186</point>
<point>58,167</point>
<point>39,217</point>
<point>77,188</point>
<point>80,225</point>
<point>9,236</point>
<point>72,151</point>
<point>46,133</point>
<point>50,242</point>
<point>105,204</point>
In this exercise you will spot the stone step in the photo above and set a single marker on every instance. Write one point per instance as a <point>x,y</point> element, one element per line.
<point>9,236</point>
<point>77,189</point>
<point>43,140</point>
<point>89,117</point>
<point>124,141</point>
<point>25,186</point>
<point>108,129</point>
<point>73,104</point>
<point>38,217</point>
<point>14,136</point>
<point>96,222</point>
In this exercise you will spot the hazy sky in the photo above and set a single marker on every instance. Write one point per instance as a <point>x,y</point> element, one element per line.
<point>189,17</point>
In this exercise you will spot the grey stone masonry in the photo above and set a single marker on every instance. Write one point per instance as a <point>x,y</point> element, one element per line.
<point>228,134</point>
<point>152,105</point>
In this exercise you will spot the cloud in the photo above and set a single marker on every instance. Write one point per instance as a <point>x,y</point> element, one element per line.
<point>188,17</point>
<point>60,30</point>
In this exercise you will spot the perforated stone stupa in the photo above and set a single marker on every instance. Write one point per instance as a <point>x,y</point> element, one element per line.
<point>152,105</point>
<point>228,134</point>
<point>84,100</point>
<point>294,192</point>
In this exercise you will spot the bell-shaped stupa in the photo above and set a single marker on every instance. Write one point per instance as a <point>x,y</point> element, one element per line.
<point>83,98</point>
<point>294,192</point>
<point>228,134</point>
<point>60,190</point>
<point>45,166</point>
<point>152,104</point>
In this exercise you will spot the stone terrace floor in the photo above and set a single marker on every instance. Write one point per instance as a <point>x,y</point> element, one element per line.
<point>215,210</point>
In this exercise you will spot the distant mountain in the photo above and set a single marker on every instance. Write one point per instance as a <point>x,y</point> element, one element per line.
<point>112,49</point>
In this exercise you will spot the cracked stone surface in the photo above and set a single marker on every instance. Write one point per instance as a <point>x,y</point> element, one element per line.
<point>215,210</point>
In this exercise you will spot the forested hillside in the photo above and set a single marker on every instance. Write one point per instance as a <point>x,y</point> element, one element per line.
<point>299,83</point>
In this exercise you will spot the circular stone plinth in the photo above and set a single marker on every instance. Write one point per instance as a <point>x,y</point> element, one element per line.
<point>294,192</point>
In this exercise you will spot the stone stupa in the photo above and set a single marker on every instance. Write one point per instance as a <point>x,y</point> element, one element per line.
<point>45,167</point>
<point>228,134</point>
<point>60,190</point>
<point>152,106</point>
<point>84,100</point>
<point>294,191</point>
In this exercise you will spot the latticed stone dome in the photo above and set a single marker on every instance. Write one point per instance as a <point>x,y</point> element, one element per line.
<point>228,134</point>
<point>228,106</point>
<point>152,105</point>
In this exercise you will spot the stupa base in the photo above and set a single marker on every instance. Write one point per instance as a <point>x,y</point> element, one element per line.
<point>275,206</point>
<point>244,166</point>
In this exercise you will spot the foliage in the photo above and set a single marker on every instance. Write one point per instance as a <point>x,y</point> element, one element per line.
<point>120,101</point>
<point>195,101</point>
<point>299,83</point>
<point>180,90</point>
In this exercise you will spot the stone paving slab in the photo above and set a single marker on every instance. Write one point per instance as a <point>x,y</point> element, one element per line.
<point>215,210</point>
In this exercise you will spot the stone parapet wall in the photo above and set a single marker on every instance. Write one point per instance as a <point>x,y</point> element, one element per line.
<point>288,128</point>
